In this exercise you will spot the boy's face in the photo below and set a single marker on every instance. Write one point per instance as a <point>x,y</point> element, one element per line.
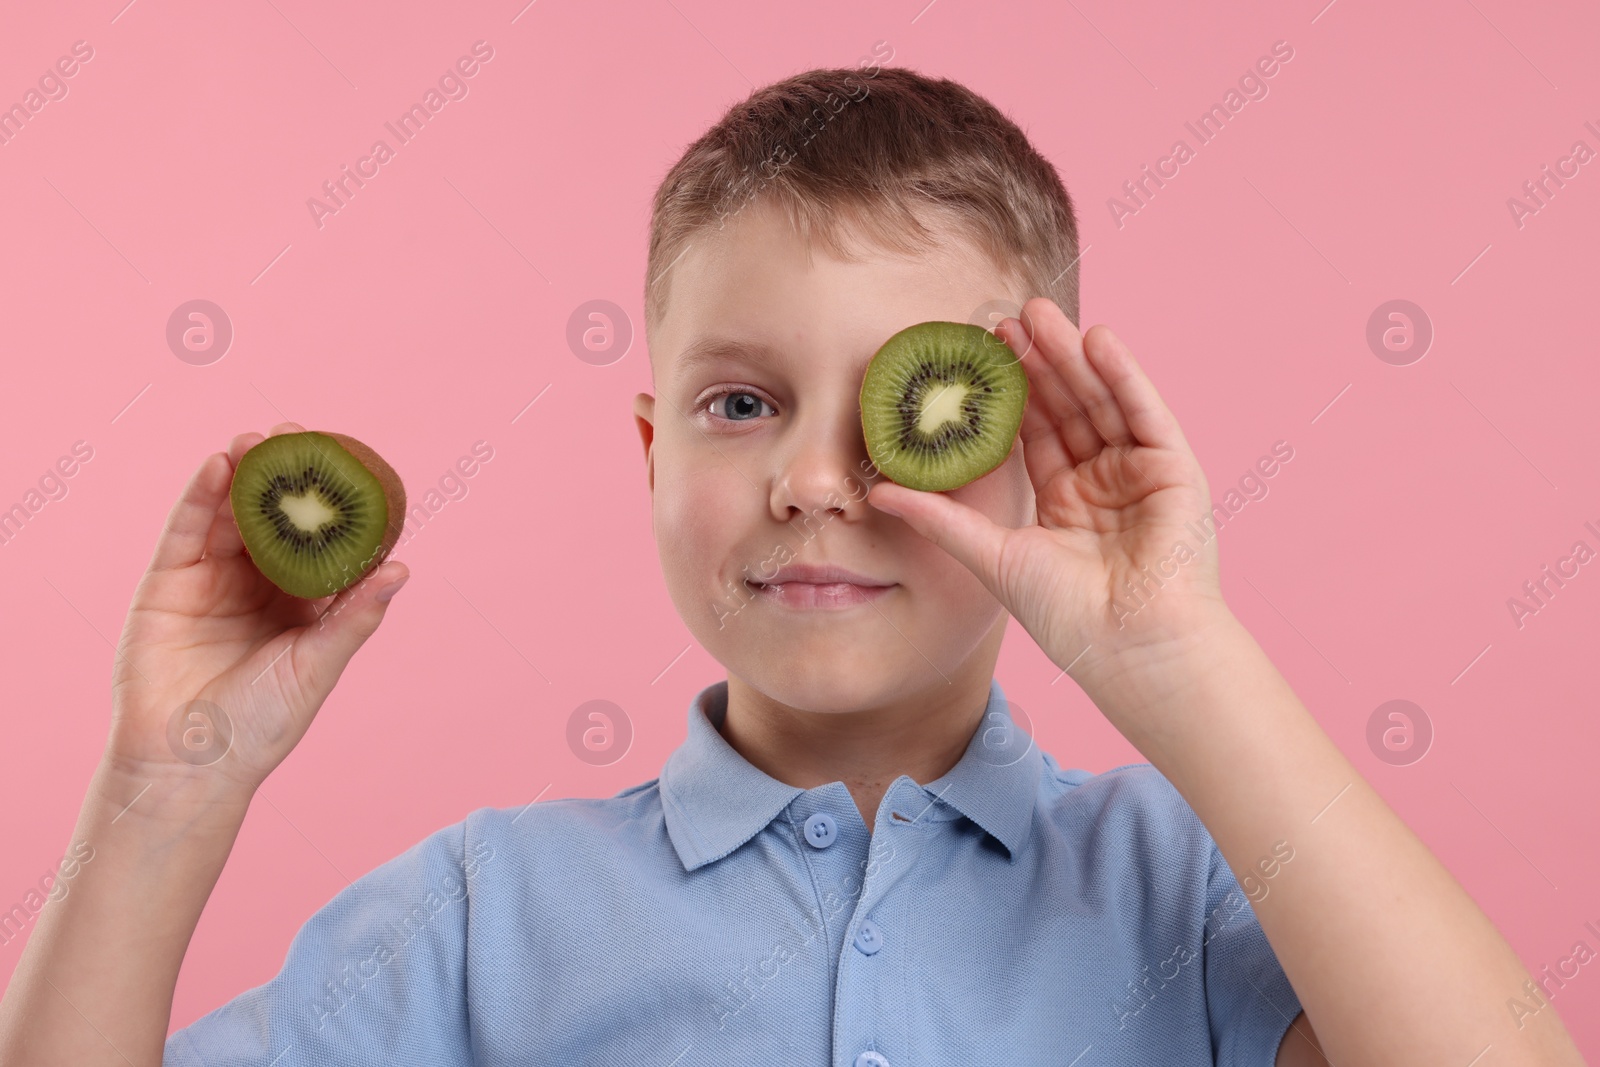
<point>778,472</point>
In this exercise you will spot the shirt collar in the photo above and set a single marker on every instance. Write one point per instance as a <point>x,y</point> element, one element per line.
<point>714,800</point>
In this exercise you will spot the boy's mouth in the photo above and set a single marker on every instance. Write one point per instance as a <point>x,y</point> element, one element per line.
<point>820,574</point>
<point>819,594</point>
<point>802,585</point>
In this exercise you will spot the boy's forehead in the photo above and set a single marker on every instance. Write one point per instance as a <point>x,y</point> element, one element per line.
<point>757,282</point>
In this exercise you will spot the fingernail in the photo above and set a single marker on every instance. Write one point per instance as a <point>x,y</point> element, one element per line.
<point>886,509</point>
<point>390,590</point>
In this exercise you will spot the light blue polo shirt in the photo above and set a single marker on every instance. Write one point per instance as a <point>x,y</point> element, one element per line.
<point>1009,912</point>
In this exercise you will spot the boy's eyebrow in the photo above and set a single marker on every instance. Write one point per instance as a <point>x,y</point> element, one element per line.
<point>707,350</point>
<point>704,351</point>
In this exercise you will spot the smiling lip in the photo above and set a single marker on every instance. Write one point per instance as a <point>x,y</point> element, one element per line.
<point>804,586</point>
<point>825,575</point>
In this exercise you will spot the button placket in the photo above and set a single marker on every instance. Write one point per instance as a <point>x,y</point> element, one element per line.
<point>834,836</point>
<point>864,1015</point>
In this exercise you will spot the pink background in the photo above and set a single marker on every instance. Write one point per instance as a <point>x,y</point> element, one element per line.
<point>433,308</point>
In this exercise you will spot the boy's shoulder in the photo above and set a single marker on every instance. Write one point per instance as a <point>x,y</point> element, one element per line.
<point>625,805</point>
<point>1127,782</point>
<point>578,821</point>
<point>1132,805</point>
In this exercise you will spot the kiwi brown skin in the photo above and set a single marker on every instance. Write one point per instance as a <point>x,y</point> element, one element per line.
<point>394,490</point>
<point>304,586</point>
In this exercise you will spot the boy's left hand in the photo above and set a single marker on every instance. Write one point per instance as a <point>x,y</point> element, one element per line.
<point>1120,499</point>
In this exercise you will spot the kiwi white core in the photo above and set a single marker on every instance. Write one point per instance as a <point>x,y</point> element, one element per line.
<point>942,407</point>
<point>307,511</point>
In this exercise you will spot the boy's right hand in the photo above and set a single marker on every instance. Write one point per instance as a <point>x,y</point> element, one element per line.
<point>206,625</point>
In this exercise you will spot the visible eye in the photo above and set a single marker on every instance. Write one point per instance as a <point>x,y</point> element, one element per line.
<point>746,407</point>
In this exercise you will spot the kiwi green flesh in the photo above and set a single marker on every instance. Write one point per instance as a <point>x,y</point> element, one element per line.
<point>941,404</point>
<point>312,515</point>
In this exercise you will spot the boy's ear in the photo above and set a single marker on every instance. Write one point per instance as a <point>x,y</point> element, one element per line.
<point>644,410</point>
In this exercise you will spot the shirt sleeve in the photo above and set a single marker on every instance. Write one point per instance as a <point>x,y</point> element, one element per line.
<point>376,976</point>
<point>1248,997</point>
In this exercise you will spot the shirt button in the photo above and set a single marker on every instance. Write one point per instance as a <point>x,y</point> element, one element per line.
<point>821,830</point>
<point>871,1059</point>
<point>869,938</point>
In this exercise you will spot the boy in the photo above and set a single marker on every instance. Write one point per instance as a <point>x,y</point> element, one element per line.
<point>856,858</point>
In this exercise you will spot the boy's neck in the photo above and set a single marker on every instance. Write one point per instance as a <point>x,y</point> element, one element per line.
<point>923,735</point>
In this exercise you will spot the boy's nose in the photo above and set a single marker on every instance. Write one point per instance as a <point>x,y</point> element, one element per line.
<point>826,473</point>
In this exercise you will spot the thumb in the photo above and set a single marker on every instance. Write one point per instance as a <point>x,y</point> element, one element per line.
<point>349,620</point>
<point>963,531</point>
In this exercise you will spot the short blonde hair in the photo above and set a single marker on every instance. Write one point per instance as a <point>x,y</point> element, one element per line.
<point>877,148</point>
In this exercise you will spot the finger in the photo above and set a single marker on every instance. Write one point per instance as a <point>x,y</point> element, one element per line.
<point>1048,411</point>
<point>966,533</point>
<point>223,541</point>
<point>1149,419</point>
<point>1060,340</point>
<point>241,444</point>
<point>1044,451</point>
<point>1019,334</point>
<point>183,538</point>
<point>1054,337</point>
<point>327,645</point>
<point>1044,418</point>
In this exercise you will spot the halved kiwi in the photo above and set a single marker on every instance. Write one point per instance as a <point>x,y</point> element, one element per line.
<point>316,510</point>
<point>941,404</point>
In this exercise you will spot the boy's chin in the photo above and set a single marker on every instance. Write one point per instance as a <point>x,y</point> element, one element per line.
<point>836,694</point>
<point>844,672</point>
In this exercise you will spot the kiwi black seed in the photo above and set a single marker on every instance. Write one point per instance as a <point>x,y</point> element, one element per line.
<point>316,510</point>
<point>941,404</point>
